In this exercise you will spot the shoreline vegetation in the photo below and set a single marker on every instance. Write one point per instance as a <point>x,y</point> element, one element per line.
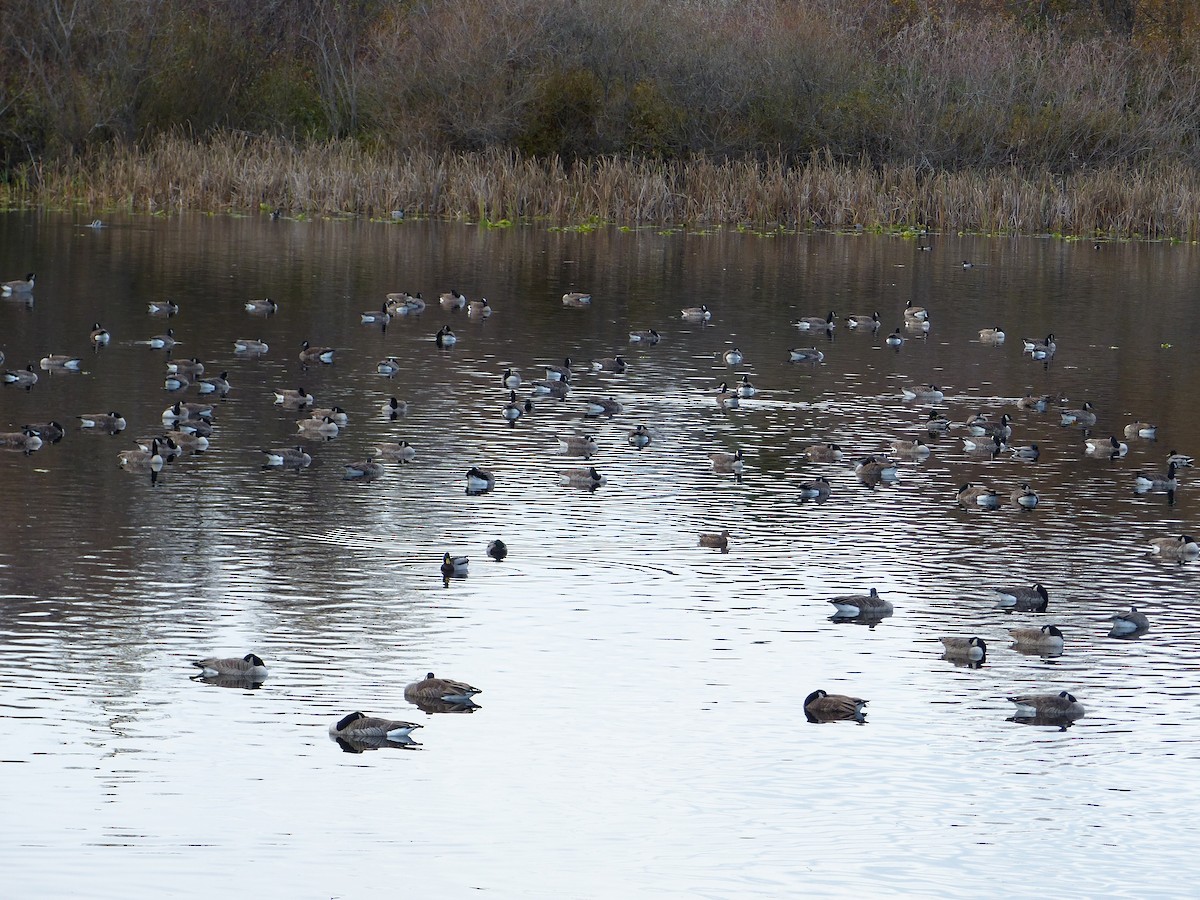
<point>1069,117</point>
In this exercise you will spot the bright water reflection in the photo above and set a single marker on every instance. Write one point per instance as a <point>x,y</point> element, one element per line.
<point>640,730</point>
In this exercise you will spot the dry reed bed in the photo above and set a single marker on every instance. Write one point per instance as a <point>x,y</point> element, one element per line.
<point>236,173</point>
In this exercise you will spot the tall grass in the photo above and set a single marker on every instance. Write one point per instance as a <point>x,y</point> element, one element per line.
<point>237,173</point>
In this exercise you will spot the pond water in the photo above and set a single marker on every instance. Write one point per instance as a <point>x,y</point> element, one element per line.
<point>640,730</point>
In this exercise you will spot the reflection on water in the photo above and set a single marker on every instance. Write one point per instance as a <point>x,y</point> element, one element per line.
<point>643,691</point>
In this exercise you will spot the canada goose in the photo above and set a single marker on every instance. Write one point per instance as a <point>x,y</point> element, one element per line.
<point>1027,452</point>
<point>455,565</point>
<point>862,604</point>
<point>816,323</point>
<point>559,373</point>
<point>726,463</point>
<point>970,495</point>
<point>640,437</point>
<point>557,389</point>
<point>980,427</point>
<point>727,399</point>
<point>805,354</point>
<point>198,427</point>
<point>920,313</point>
<point>511,379</point>
<point>514,410</point>
<point>1130,624</point>
<point>1040,349</point>
<point>61,361</point>
<point>250,346</point>
<point>50,432</point>
<point>1047,639</point>
<point>26,440</point>
<point>745,388</point>
<point>452,301</point>
<point>362,470</point>
<point>895,339</point>
<point>650,337</point>
<point>250,667</point>
<point>1036,404</point>
<point>318,429</point>
<point>992,445</point>
<point>1143,430</point>
<point>826,453</point>
<point>1105,448</point>
<point>820,706</point>
<point>914,449</point>
<point>162,341</point>
<point>578,445</point>
<point>292,399</point>
<point>1083,416</point>
<point>1024,496</point>
<point>379,316</point>
<point>400,451</point>
<point>431,688</point>
<point>190,367</point>
<point>917,327</point>
<point>142,460</point>
<point>576,299</point>
<point>358,726</point>
<point>479,480</point>
<point>1181,546</point>
<point>872,469</point>
<point>937,423</point>
<point>1181,460</point>
<point>926,393</point>
<point>264,307</point>
<point>1145,481</point>
<point>99,336</point>
<point>602,406</point>
<point>732,357</point>
<point>1023,599</point>
<point>340,417</point>
<point>287,457</point>
<point>497,549</point>
<point>163,308</point>
<point>177,382</point>
<point>582,477</point>
<point>393,408</point>
<point>695,314</point>
<point>992,335</point>
<point>479,309</point>
<point>414,304</point>
<point>870,322</point>
<point>310,354</point>
<point>218,385</point>
<point>1047,706</point>
<point>967,264</point>
<point>972,648</point>
<point>613,364</point>
<point>25,377</point>
<point>111,422</point>
<point>196,443</point>
<point>20,286</point>
<point>817,489</point>
<point>716,541</point>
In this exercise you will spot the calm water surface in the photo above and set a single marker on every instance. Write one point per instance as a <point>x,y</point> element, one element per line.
<point>640,730</point>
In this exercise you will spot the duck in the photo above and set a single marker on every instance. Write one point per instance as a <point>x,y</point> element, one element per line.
<point>726,463</point>
<point>111,422</point>
<point>1040,349</point>
<point>497,549</point>
<point>297,398</point>
<point>640,437</point>
<point>99,336</point>
<point>1062,705</point>
<point>602,406</point>
<point>895,339</point>
<point>393,408</point>
<point>1084,416</point>
<point>399,451</point>
<point>919,313</point>
<point>816,323</point>
<point>820,706</point>
<point>1106,448</point>
<point>249,667</point>
<point>358,726</point>
<point>1143,430</point>
<point>511,379</point>
<point>1023,599</point>
<point>310,354</point>
<point>454,565</point>
<point>1146,481</point>
<point>696,314</point>
<point>479,480</point>
<point>318,429</point>
<point>937,423</point>
<point>452,301</point>
<point>992,335</point>
<point>362,470</point>
<point>379,316</point>
<point>163,307</point>
<point>26,440</point>
<point>19,286</point>
<point>926,393</point>
<point>976,495</point>
<point>25,377</point>
<point>824,453</point>
<point>576,299</point>
<point>218,385</point>
<point>649,336</point>
<point>805,354</point>
<point>514,410</point>
<point>1130,624</point>
<point>163,341</point>
<point>264,307</point>
<point>250,346</point>
<point>612,364</point>
<point>817,489</point>
<point>732,357</point>
<point>972,648</point>
<point>862,604</point>
<point>917,448</point>
<point>1181,546</point>
<point>745,388</point>
<point>142,460</point>
<point>433,688</point>
<point>50,432</point>
<point>1047,638</point>
<point>1024,496</point>
<point>1181,460</point>
<point>872,469</point>
<point>716,540</point>
<point>479,309</point>
<point>582,477</point>
<point>1026,452</point>
<point>871,322</point>
<point>287,457</point>
<point>727,399</point>
<point>559,373</point>
<point>578,445</point>
<point>61,361</point>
